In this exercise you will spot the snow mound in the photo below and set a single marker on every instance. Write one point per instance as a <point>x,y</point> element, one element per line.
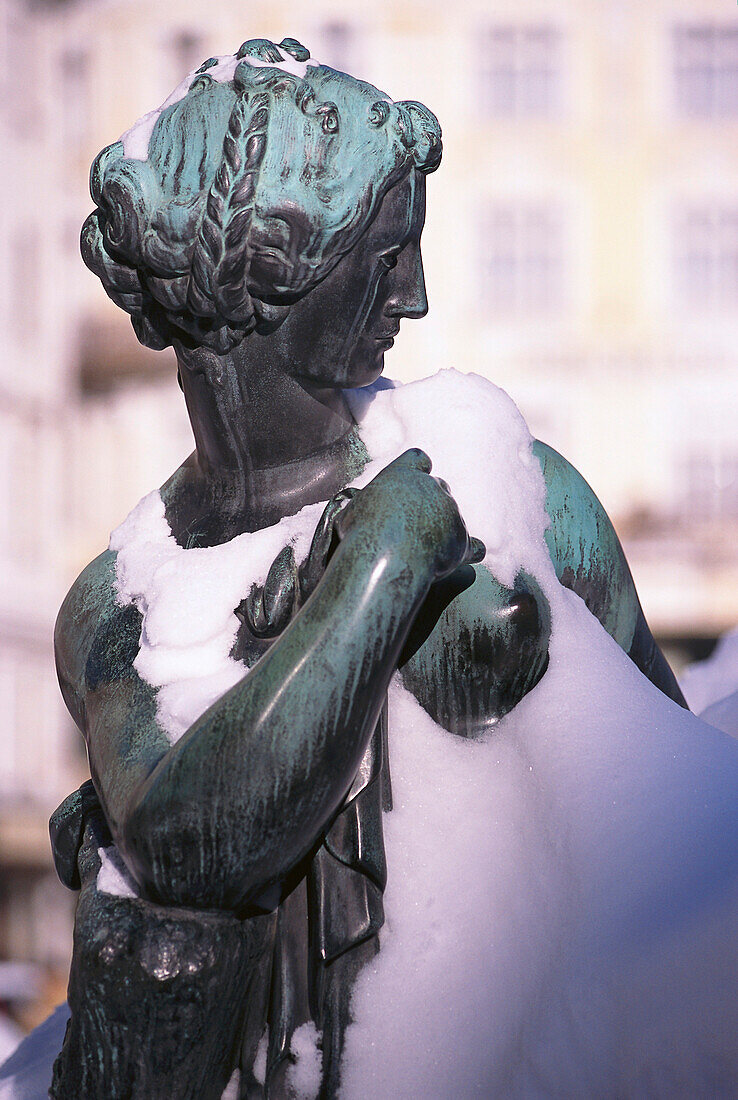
<point>26,1075</point>
<point>723,715</point>
<point>562,904</point>
<point>705,682</point>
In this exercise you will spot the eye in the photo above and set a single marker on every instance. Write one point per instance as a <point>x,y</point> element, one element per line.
<point>388,260</point>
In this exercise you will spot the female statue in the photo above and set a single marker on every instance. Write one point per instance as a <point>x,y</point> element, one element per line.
<point>267,224</point>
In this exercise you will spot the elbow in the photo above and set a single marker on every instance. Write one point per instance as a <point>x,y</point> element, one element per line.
<point>194,861</point>
<point>169,861</point>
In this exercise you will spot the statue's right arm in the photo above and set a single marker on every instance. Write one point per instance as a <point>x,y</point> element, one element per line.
<point>225,814</point>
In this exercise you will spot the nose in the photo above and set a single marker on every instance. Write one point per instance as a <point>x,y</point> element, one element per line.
<point>407,297</point>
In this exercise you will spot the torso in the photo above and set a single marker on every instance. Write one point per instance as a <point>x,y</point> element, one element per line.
<point>476,648</point>
<point>478,645</point>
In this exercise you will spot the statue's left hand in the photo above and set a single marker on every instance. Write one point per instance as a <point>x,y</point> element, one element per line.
<point>270,607</point>
<point>67,828</point>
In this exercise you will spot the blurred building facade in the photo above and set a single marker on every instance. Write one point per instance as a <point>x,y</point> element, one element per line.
<point>581,251</point>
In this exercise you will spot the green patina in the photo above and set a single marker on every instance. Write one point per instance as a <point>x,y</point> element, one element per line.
<point>585,549</point>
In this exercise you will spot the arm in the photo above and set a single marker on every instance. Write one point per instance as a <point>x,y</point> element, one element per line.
<point>589,560</point>
<point>230,809</point>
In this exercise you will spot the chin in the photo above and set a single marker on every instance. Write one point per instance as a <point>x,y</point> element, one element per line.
<point>365,373</point>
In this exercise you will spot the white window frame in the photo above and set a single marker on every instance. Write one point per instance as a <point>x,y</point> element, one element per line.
<point>528,237</point>
<point>704,255</point>
<point>704,57</point>
<point>520,69</point>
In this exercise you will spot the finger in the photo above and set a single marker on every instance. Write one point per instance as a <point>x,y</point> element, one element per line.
<point>477,551</point>
<point>413,459</point>
<point>343,521</point>
<point>345,495</point>
<point>342,502</point>
<point>326,525</point>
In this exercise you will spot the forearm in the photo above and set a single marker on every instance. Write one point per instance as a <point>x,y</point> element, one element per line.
<point>246,792</point>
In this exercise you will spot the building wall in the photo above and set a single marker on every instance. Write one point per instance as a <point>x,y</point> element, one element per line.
<point>581,250</point>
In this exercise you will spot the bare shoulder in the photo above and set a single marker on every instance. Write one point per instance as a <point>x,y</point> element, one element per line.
<point>572,499</point>
<point>585,548</point>
<point>94,635</point>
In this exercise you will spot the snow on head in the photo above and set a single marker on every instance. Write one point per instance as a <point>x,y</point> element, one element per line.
<point>289,64</point>
<point>136,139</point>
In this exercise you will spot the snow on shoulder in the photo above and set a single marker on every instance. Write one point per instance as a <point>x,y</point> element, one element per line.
<point>187,597</point>
<point>478,443</point>
<point>187,600</point>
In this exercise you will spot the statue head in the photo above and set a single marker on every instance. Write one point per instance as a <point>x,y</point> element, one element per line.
<point>262,171</point>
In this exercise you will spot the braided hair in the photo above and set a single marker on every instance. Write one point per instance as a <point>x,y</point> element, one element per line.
<point>257,180</point>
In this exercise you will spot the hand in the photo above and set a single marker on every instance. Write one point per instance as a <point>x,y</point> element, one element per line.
<point>404,506</point>
<point>270,607</point>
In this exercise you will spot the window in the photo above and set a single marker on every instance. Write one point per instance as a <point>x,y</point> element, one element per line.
<point>26,303</point>
<point>23,753</point>
<point>706,258</point>
<point>28,524</point>
<point>75,97</point>
<point>522,258</point>
<point>706,69</point>
<point>709,483</point>
<point>520,71</point>
<point>21,98</point>
<point>186,50</point>
<point>338,46</point>
<point>8,766</point>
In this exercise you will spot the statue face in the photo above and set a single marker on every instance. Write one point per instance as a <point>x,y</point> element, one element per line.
<point>339,332</point>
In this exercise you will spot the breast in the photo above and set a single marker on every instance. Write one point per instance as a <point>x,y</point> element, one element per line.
<point>476,649</point>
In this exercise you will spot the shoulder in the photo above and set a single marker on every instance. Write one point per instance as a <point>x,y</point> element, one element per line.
<point>95,637</point>
<point>585,548</point>
<point>568,493</point>
<point>94,586</point>
<point>91,597</point>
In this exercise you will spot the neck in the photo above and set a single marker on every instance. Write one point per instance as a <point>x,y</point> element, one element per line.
<point>266,443</point>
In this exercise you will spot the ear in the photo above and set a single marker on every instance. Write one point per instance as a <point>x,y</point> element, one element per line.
<point>269,317</point>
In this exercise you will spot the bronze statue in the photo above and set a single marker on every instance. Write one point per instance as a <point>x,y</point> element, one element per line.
<point>270,232</point>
